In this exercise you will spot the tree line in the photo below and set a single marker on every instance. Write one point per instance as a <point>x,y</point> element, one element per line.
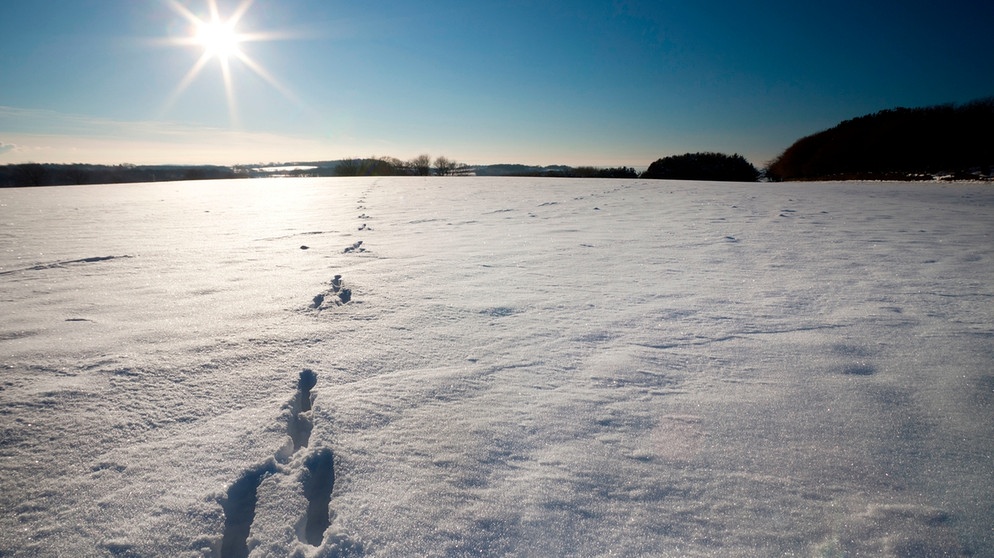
<point>52,174</point>
<point>422,165</point>
<point>952,141</point>
<point>49,174</point>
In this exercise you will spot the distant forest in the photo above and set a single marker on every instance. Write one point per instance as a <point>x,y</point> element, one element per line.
<point>47,174</point>
<point>50,174</point>
<point>953,142</point>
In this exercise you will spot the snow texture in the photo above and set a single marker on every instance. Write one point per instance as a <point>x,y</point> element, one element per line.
<point>497,367</point>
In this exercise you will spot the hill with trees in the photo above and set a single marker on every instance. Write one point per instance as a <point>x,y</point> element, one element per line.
<point>954,141</point>
<point>703,166</point>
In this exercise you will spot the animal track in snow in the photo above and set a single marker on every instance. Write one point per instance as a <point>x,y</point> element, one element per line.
<point>337,295</point>
<point>300,425</point>
<point>361,205</point>
<point>317,476</point>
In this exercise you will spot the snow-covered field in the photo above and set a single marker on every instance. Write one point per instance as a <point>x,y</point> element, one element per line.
<point>524,367</point>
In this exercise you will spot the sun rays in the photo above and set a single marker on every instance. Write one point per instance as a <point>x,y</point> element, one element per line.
<point>221,40</point>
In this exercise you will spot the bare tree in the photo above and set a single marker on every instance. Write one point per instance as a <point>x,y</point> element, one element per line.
<point>444,167</point>
<point>397,167</point>
<point>421,165</point>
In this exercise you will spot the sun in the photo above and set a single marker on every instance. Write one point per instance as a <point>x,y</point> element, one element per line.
<point>220,39</point>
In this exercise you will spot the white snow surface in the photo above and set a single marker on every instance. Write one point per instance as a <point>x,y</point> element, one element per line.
<point>526,367</point>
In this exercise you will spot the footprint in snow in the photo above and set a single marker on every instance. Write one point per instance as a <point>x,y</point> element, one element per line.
<point>316,474</point>
<point>318,478</point>
<point>239,510</point>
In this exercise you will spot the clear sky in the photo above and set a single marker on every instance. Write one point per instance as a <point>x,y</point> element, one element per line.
<point>577,82</point>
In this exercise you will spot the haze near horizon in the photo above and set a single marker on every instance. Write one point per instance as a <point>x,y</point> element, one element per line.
<point>581,83</point>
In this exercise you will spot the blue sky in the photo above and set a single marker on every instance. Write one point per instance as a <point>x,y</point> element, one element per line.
<point>578,82</point>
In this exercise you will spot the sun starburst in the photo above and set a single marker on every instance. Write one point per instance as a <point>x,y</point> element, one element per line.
<point>220,39</point>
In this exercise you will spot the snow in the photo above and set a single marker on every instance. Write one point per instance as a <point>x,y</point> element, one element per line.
<point>521,367</point>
